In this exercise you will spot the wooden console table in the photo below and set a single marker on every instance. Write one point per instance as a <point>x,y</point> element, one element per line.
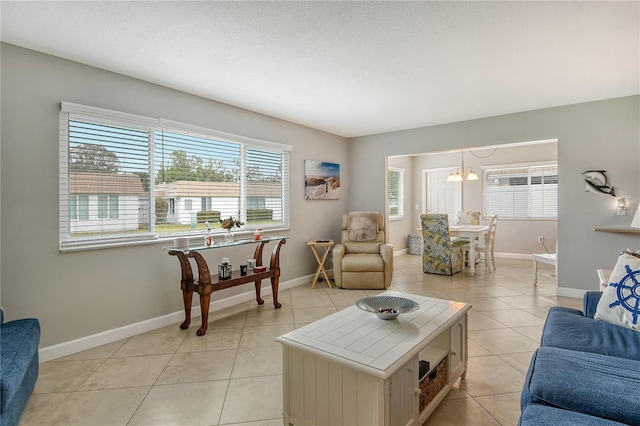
<point>208,283</point>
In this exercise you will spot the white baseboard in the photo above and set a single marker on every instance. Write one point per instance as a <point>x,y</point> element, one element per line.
<point>521,256</point>
<point>89,342</point>
<point>576,293</point>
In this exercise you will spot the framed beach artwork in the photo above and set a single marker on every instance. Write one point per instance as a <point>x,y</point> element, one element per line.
<point>321,180</point>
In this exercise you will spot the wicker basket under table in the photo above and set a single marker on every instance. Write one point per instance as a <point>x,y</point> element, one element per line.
<point>433,383</point>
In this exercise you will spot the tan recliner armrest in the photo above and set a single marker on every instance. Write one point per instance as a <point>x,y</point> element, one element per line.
<point>338,254</point>
<point>386,251</point>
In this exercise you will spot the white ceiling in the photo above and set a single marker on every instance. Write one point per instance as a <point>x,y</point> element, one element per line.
<point>351,68</point>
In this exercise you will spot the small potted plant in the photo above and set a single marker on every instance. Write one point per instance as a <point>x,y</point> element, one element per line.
<point>227,224</point>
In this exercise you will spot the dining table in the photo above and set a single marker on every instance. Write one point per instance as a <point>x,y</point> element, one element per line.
<point>472,233</point>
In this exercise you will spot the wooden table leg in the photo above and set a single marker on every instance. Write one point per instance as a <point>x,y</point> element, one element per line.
<point>258,286</point>
<point>327,249</point>
<point>187,297</point>
<point>257,255</point>
<point>321,261</point>
<point>275,266</point>
<point>205,299</point>
<point>318,269</point>
<point>205,288</point>
<point>185,282</point>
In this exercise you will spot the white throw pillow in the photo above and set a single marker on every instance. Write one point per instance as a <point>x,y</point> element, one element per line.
<point>620,301</point>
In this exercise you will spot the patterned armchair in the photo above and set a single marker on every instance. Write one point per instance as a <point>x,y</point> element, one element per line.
<point>440,255</point>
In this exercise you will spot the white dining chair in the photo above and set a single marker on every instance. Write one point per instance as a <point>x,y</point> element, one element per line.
<point>486,247</point>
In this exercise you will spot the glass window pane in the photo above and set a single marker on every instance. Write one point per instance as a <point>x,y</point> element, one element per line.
<point>83,207</point>
<point>103,206</point>
<point>114,207</point>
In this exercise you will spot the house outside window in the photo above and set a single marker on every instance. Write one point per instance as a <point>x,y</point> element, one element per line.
<point>134,170</point>
<point>525,191</point>
<point>395,190</point>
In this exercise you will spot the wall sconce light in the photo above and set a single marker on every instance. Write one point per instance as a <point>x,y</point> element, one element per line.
<point>622,207</point>
<point>458,174</point>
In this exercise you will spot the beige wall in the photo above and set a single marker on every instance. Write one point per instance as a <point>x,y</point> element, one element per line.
<point>595,135</point>
<point>83,293</point>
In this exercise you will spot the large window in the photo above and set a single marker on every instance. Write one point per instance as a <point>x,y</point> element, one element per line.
<point>521,191</point>
<point>395,191</point>
<point>123,179</point>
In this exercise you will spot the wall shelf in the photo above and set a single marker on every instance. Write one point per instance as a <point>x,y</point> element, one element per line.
<point>617,229</point>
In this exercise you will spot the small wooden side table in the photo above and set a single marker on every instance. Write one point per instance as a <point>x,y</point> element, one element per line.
<point>327,244</point>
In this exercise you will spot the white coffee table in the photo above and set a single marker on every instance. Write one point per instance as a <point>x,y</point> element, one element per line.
<point>341,370</point>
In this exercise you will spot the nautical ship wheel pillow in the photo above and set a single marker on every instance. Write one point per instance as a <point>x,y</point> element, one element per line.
<point>620,301</point>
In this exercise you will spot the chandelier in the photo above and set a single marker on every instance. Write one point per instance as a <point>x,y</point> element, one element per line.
<point>460,174</point>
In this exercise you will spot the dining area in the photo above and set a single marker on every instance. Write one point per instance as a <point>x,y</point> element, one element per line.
<point>449,248</point>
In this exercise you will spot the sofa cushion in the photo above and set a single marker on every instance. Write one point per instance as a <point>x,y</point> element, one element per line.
<point>588,383</point>
<point>544,415</point>
<point>620,301</point>
<point>20,339</point>
<point>568,329</point>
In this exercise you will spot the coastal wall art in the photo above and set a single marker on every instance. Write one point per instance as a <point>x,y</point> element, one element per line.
<point>321,180</point>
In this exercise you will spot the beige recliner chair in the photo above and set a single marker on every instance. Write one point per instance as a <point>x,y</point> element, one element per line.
<point>363,260</point>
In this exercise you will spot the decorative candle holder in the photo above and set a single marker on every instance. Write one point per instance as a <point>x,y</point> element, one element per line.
<point>224,269</point>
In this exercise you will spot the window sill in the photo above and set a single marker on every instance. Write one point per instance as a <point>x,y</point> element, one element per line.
<point>164,240</point>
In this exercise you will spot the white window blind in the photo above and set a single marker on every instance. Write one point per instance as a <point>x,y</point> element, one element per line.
<point>395,191</point>
<point>521,192</point>
<point>128,179</point>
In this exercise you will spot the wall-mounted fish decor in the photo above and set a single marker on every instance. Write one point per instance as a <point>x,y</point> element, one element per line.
<point>596,181</point>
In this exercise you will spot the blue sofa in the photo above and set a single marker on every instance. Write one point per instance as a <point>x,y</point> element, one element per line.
<point>586,372</point>
<point>19,342</point>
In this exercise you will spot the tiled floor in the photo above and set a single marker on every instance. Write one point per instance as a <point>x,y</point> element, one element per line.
<point>233,374</point>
